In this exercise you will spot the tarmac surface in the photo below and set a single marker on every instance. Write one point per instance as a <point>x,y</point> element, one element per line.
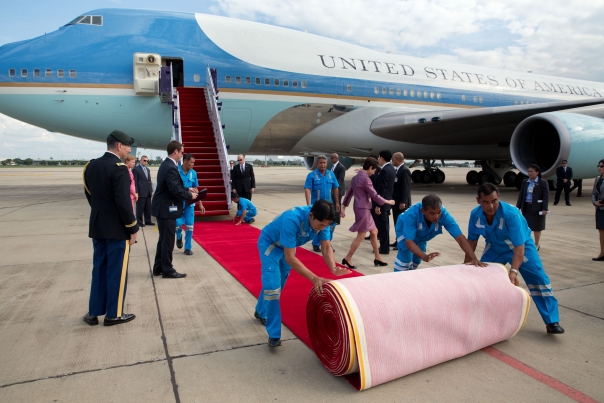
<point>196,340</point>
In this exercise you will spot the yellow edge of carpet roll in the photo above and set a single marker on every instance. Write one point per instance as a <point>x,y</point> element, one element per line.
<point>526,300</point>
<point>359,342</point>
<point>352,363</point>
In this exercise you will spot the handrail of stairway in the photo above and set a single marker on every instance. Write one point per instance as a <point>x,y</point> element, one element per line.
<point>176,129</point>
<point>223,155</point>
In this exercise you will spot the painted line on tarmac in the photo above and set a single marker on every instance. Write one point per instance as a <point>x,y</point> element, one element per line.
<point>539,376</point>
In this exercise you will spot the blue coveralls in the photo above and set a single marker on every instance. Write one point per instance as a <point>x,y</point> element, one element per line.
<point>288,230</point>
<point>508,230</point>
<point>320,189</point>
<point>245,204</point>
<point>412,225</point>
<point>188,217</point>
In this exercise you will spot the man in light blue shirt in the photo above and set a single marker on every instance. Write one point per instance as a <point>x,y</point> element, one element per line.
<point>246,211</point>
<point>189,180</point>
<point>322,184</point>
<point>277,248</point>
<point>419,224</point>
<point>508,240</point>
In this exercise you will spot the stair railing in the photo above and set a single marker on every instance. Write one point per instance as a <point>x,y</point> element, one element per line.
<point>223,155</point>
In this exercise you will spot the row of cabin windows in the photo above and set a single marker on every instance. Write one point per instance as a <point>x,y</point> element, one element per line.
<point>267,81</point>
<point>475,99</point>
<point>37,73</point>
<point>407,93</point>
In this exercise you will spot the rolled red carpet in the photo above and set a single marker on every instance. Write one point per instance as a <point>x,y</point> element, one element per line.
<point>378,328</point>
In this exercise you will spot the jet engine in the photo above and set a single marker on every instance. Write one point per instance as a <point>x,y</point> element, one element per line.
<point>546,139</point>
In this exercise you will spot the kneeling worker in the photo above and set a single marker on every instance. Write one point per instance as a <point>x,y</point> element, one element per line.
<point>246,211</point>
<point>508,240</point>
<point>277,246</point>
<point>419,224</point>
<point>189,180</point>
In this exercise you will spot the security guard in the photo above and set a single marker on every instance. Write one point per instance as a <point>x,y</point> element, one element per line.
<point>322,184</point>
<point>508,240</point>
<point>419,224</point>
<point>189,180</point>
<point>113,229</point>
<point>277,248</point>
<point>246,211</point>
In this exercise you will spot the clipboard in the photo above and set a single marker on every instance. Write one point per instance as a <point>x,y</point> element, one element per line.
<point>202,195</point>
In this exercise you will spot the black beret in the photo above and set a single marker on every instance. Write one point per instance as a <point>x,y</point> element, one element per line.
<point>122,137</point>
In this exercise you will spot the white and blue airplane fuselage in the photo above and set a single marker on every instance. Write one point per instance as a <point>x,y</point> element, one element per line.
<point>292,93</point>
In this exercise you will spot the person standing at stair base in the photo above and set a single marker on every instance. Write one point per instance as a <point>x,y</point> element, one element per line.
<point>244,181</point>
<point>189,179</point>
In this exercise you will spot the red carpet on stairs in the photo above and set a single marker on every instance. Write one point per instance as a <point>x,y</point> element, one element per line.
<point>235,248</point>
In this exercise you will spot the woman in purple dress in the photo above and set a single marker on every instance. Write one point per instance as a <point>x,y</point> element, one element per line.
<point>363,192</point>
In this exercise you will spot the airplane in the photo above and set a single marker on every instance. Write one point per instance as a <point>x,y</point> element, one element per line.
<point>288,92</point>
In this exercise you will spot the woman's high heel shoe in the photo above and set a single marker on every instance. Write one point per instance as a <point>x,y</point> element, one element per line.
<point>345,263</point>
<point>379,263</point>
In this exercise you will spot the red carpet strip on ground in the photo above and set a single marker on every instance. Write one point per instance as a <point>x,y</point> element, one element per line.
<point>236,250</point>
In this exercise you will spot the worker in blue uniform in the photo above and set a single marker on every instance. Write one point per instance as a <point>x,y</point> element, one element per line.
<point>277,248</point>
<point>322,184</point>
<point>246,211</point>
<point>508,240</point>
<point>419,224</point>
<point>189,180</point>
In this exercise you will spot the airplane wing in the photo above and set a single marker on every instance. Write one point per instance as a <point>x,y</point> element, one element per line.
<point>478,126</point>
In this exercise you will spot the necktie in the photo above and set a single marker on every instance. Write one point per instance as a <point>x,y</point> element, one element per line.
<point>146,173</point>
<point>333,168</point>
<point>242,168</point>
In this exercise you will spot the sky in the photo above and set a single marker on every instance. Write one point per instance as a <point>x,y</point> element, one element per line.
<point>553,37</point>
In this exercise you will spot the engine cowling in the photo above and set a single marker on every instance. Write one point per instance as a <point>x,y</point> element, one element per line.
<point>548,138</point>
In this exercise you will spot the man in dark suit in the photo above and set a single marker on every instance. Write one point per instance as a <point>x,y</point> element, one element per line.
<point>244,181</point>
<point>144,184</point>
<point>402,188</point>
<point>564,175</point>
<point>167,206</point>
<point>112,228</point>
<point>340,172</point>
<point>384,186</point>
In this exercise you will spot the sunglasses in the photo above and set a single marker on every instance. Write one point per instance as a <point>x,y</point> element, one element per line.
<point>144,160</point>
<point>239,160</point>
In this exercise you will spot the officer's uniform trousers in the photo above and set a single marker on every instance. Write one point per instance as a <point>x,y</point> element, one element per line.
<point>534,276</point>
<point>187,219</point>
<point>109,277</point>
<point>274,276</point>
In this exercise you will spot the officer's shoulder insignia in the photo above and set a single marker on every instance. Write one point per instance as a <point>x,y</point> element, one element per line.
<point>120,164</point>
<point>84,177</point>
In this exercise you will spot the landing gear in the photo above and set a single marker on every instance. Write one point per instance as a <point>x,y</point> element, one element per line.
<point>483,177</point>
<point>472,177</point>
<point>509,179</point>
<point>429,174</point>
<point>494,172</point>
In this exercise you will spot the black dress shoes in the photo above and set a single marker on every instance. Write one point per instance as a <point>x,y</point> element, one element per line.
<point>379,263</point>
<point>126,317</point>
<point>257,316</point>
<point>554,328</point>
<point>179,243</point>
<point>393,245</point>
<point>150,223</point>
<point>91,320</point>
<point>174,274</point>
<point>384,252</point>
<point>274,342</point>
<point>155,273</point>
<point>568,204</point>
<point>345,263</point>
<point>188,252</point>
<point>555,204</point>
<point>598,259</point>
<point>141,225</point>
<point>316,248</point>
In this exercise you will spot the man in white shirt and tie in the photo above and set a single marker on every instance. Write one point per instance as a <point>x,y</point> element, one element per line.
<point>244,181</point>
<point>144,185</point>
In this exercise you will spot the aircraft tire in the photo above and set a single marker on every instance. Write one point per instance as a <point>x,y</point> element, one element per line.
<point>415,176</point>
<point>519,178</point>
<point>472,177</point>
<point>495,181</point>
<point>552,185</point>
<point>426,176</point>
<point>483,177</point>
<point>438,176</point>
<point>509,179</point>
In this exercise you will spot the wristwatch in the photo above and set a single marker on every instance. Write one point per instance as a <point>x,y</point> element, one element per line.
<point>514,270</point>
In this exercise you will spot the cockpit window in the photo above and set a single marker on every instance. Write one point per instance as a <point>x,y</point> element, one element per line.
<point>88,20</point>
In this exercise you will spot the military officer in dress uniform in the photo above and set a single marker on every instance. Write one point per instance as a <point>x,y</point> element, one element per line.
<point>113,229</point>
<point>277,248</point>
<point>189,179</point>
<point>322,184</point>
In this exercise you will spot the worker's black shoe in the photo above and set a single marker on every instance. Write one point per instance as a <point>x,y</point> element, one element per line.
<point>91,320</point>
<point>316,248</point>
<point>274,342</point>
<point>188,252</point>
<point>257,316</point>
<point>179,243</point>
<point>554,328</point>
<point>126,317</point>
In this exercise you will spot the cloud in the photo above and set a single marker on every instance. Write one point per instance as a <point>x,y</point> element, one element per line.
<point>549,37</point>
